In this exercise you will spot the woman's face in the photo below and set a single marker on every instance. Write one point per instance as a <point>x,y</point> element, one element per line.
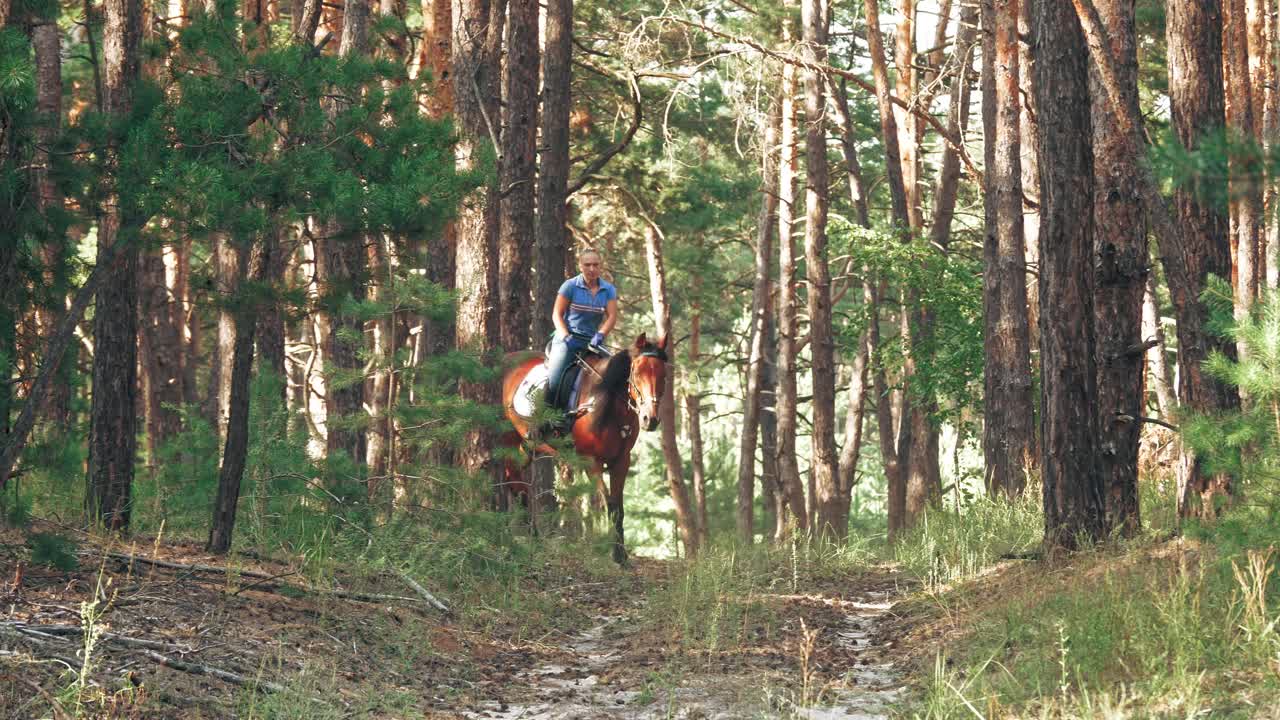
<point>590,264</point>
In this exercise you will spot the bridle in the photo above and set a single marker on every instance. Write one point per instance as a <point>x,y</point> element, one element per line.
<point>635,398</point>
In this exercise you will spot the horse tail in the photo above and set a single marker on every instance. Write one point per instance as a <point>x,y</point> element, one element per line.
<point>613,382</point>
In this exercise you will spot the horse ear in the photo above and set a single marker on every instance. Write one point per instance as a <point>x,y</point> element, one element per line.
<point>641,341</point>
<point>662,343</point>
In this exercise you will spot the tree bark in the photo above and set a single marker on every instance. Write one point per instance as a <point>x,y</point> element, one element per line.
<point>476,70</point>
<point>760,323</point>
<point>693,426</point>
<point>1120,249</point>
<point>47,43</point>
<point>907,122</point>
<point>832,505</point>
<point>788,464</point>
<point>439,100</point>
<point>1245,169</point>
<point>1073,489</point>
<point>112,421</point>
<point>1008,414</point>
<point>236,449</point>
<point>1158,354</point>
<point>686,521</point>
<point>519,138</point>
<point>160,337</point>
<point>1194,34</point>
<point>342,272</point>
<point>271,329</point>
<point>226,284</point>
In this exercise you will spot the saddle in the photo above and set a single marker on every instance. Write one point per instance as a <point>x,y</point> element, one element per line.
<point>529,395</point>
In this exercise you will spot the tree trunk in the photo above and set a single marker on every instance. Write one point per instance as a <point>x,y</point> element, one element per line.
<point>1194,33</point>
<point>380,440</point>
<point>1073,490</point>
<point>957,124</point>
<point>1245,168</point>
<point>1270,129</point>
<point>788,464</point>
<point>439,100</point>
<point>1008,415</point>
<point>831,503</point>
<point>112,422</point>
<point>894,444</point>
<point>888,124</point>
<point>477,73</point>
<point>236,449</point>
<point>907,123</point>
<point>851,450</point>
<point>686,521</point>
<point>1120,249</point>
<point>774,520</point>
<point>47,42</point>
<point>160,338</point>
<point>1158,354</point>
<point>226,284</point>
<point>693,426</point>
<point>342,273</point>
<point>1030,212</point>
<point>551,248</point>
<point>760,325</point>
<point>271,330</point>
<point>519,138</point>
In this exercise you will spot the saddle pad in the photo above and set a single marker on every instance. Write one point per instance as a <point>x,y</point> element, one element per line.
<point>528,395</point>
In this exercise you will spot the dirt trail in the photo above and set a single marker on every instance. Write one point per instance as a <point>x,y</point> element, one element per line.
<point>584,644</point>
<point>825,658</point>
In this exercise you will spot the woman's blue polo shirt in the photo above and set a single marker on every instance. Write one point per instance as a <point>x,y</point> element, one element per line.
<point>586,310</point>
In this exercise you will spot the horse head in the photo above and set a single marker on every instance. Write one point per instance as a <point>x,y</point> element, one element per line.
<point>648,379</point>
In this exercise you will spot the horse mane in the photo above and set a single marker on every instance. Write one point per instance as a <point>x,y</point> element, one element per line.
<point>613,383</point>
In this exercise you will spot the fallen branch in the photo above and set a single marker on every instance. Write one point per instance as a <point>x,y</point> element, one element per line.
<point>192,567</point>
<point>198,669</point>
<point>422,591</point>
<point>267,582</point>
<point>61,631</point>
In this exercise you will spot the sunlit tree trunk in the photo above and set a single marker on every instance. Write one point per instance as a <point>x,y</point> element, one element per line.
<point>112,422</point>
<point>894,444</point>
<point>1245,170</point>
<point>1157,354</point>
<point>225,284</point>
<point>760,327</point>
<point>788,464</point>
<point>1073,490</point>
<point>832,505</point>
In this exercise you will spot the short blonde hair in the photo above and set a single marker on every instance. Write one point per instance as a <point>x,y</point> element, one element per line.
<point>589,251</point>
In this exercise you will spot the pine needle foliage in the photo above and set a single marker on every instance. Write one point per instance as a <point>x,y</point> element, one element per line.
<point>1244,444</point>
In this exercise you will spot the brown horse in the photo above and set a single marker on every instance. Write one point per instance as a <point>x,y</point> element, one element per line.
<point>618,397</point>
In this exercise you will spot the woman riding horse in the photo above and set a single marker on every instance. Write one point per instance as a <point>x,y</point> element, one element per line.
<point>586,307</point>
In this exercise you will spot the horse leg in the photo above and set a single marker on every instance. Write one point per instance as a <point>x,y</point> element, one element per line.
<point>617,481</point>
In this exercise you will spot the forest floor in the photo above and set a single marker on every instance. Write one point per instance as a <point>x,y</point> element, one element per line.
<point>257,638</point>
